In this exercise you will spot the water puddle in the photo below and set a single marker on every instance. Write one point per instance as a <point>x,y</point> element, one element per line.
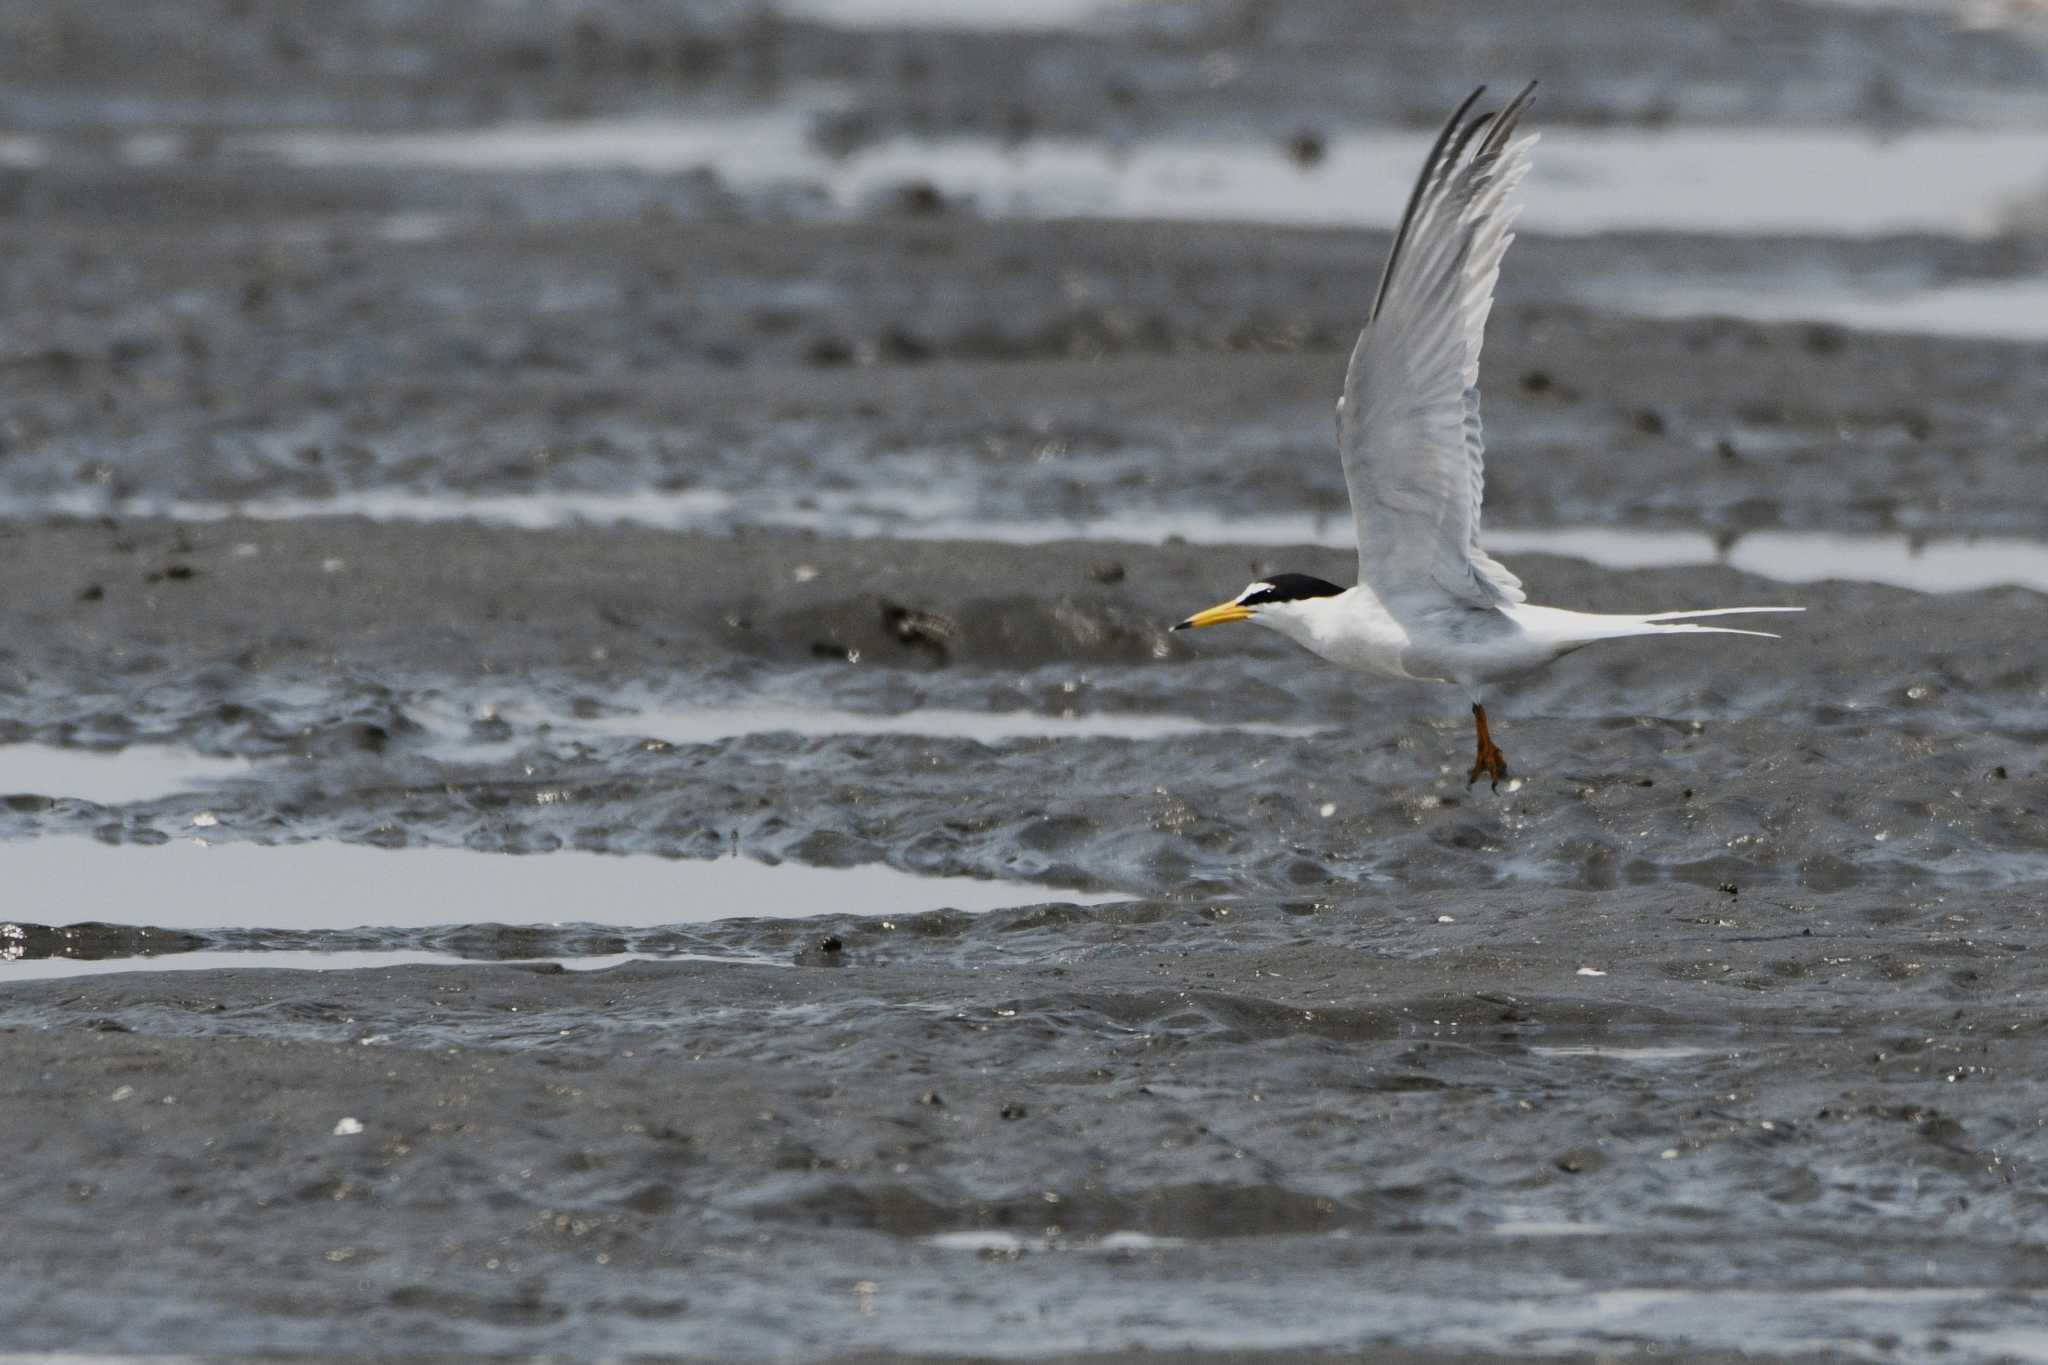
<point>1922,563</point>
<point>1959,565</point>
<point>1631,1054</point>
<point>1969,14</point>
<point>996,1242</point>
<point>20,152</point>
<point>14,970</point>
<point>1970,183</point>
<point>191,885</point>
<point>981,16</point>
<point>2008,310</point>
<point>1741,181</point>
<point>140,772</point>
<point>709,724</point>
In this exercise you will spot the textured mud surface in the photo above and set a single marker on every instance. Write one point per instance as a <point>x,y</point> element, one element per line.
<point>1258,1126</point>
<point>1716,1033</point>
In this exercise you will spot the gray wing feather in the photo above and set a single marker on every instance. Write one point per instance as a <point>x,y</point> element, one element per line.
<point>1408,425</point>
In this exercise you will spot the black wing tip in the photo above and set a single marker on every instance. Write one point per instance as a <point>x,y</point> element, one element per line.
<point>1456,135</point>
<point>1520,102</point>
<point>1452,128</point>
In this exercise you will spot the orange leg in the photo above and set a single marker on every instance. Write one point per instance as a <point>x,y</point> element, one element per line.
<point>1491,762</point>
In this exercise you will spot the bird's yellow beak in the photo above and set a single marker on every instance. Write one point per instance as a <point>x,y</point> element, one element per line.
<point>1216,616</point>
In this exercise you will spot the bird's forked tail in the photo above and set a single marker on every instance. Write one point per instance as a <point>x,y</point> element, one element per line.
<point>1568,630</point>
<point>1675,622</point>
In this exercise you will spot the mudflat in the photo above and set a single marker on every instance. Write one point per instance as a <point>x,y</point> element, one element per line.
<point>636,529</point>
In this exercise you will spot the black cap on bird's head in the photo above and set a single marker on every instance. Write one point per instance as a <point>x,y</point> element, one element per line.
<point>1273,591</point>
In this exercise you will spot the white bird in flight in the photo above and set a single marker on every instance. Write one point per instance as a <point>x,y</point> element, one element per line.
<point>1430,604</point>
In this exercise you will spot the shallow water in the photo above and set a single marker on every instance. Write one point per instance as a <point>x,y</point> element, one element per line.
<point>1961,183</point>
<point>990,16</point>
<point>2013,309</point>
<point>709,724</point>
<point>1653,1053</point>
<point>14,970</point>
<point>1922,563</point>
<point>105,777</point>
<point>191,885</point>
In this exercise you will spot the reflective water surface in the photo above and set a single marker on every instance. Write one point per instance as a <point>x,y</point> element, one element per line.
<point>708,724</point>
<point>1959,182</point>
<point>188,884</point>
<point>2013,310</point>
<point>110,777</point>
<point>301,959</point>
<point>1922,563</point>
<point>1014,16</point>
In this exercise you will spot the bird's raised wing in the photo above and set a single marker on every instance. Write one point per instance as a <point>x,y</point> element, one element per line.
<point>1408,423</point>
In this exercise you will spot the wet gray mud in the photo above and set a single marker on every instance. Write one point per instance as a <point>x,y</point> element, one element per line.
<point>565,793</point>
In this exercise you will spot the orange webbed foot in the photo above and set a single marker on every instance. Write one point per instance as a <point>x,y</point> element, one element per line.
<point>1490,762</point>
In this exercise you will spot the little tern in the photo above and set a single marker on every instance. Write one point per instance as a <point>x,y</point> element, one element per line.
<point>1430,604</point>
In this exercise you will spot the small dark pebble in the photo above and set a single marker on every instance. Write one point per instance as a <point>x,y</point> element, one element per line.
<point>830,944</point>
<point>105,1025</point>
<point>91,592</point>
<point>829,351</point>
<point>919,198</point>
<point>930,1099</point>
<point>904,346</point>
<point>1109,571</point>
<point>1306,148</point>
<point>1536,381</point>
<point>1649,422</point>
<point>1822,339</point>
<point>1014,1110</point>
<point>1581,1161</point>
<point>1730,888</point>
<point>1998,773</point>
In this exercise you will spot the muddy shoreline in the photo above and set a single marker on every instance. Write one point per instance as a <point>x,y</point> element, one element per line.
<point>967,1118</point>
<point>1715,1035</point>
<point>1733,1003</point>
